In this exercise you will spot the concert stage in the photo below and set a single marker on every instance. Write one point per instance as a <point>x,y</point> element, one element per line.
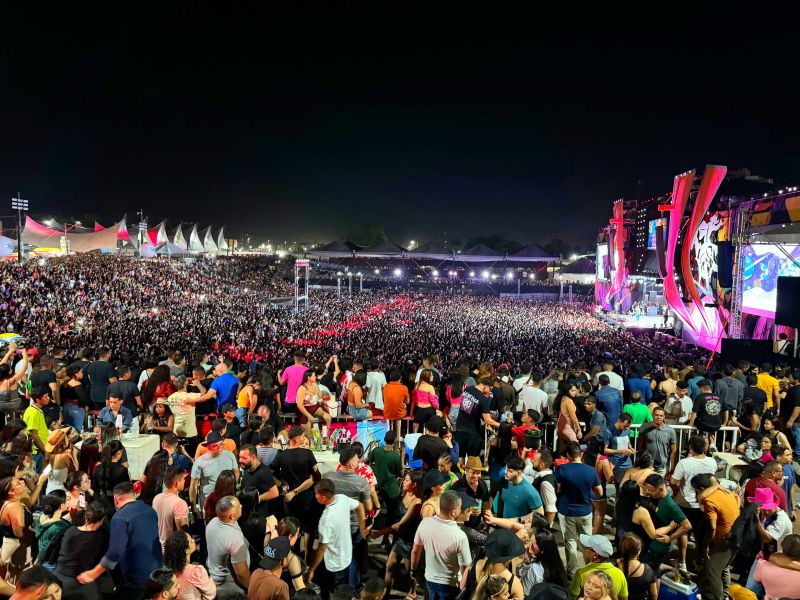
<point>640,322</point>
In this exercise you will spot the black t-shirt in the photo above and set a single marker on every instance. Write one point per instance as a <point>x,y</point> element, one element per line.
<point>791,402</point>
<point>473,405</point>
<point>126,390</point>
<point>294,466</point>
<point>709,412</point>
<point>42,378</point>
<point>429,448</point>
<point>262,480</point>
<point>207,407</point>
<point>233,431</point>
<point>481,493</point>
<point>754,400</point>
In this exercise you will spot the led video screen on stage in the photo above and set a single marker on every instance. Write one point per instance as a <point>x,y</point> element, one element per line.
<point>602,261</point>
<point>762,264</point>
<point>651,232</point>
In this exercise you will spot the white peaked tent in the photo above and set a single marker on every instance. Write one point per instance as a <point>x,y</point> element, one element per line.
<point>222,243</point>
<point>195,245</point>
<point>178,240</point>
<point>162,236</point>
<point>208,240</point>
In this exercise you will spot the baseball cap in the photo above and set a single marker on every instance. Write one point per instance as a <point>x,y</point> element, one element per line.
<point>598,543</point>
<point>277,549</point>
<point>227,408</point>
<point>214,438</point>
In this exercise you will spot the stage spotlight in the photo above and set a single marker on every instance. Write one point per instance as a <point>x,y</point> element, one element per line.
<point>377,271</point>
<point>472,273</point>
<point>435,273</point>
<point>485,274</point>
<point>509,275</point>
<point>398,272</point>
<point>495,276</point>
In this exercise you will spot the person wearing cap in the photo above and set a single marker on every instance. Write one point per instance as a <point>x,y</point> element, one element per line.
<point>219,426</point>
<point>207,468</point>
<point>502,546</point>
<point>266,582</point>
<point>447,554</point>
<point>432,489</point>
<point>597,552</point>
<point>516,498</point>
<point>473,485</point>
<point>773,527</point>
<point>476,411</point>
<point>707,411</point>
<point>720,509</point>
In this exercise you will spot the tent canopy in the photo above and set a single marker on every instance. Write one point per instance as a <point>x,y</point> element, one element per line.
<point>41,236</point>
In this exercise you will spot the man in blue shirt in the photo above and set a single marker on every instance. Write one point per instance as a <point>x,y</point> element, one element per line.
<point>518,498</point>
<point>169,442</point>
<point>134,547</point>
<point>224,388</point>
<point>637,383</point>
<point>699,375</point>
<point>108,414</point>
<point>618,446</point>
<point>576,481</point>
<point>609,399</point>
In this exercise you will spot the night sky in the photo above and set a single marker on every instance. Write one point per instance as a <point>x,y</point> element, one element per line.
<point>301,120</point>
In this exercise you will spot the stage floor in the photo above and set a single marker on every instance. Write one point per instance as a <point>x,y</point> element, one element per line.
<point>642,322</point>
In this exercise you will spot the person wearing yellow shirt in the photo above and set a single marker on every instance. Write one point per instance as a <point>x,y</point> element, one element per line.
<point>36,424</point>
<point>770,386</point>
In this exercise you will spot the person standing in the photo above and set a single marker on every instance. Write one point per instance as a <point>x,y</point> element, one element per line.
<point>171,510</point>
<point>679,405</point>
<point>124,388</point>
<point>530,395</point>
<point>100,374</point>
<point>773,526</point>
<point>666,511</point>
<point>291,377</point>
<point>597,552</point>
<point>473,485</point>
<point>255,474</point>
<point>266,582</point>
<point>447,555</point>
<point>207,468</point>
<point>36,424</point>
<point>731,392</point>
<point>296,468</point>
<point>771,387</point>
<point>609,399</point>
<point>228,555</point>
<point>576,481</point>
<point>376,381</point>
<point>475,412</point>
<point>134,546</point>
<point>597,420</point>
<point>720,509</point>
<point>429,445</point>
<point>618,447</point>
<point>661,442</point>
<point>639,412</point>
<point>544,482</point>
<point>614,379</point>
<point>791,410</point>
<point>706,413</point>
<point>770,478</point>
<point>334,555</point>
<point>516,497</point>
<point>687,468</point>
<point>388,468</point>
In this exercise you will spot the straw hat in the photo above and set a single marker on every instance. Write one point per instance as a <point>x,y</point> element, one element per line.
<point>55,438</point>
<point>474,463</point>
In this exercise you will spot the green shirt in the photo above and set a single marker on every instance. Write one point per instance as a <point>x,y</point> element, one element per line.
<point>388,467</point>
<point>616,574</point>
<point>34,419</point>
<point>666,512</point>
<point>640,414</point>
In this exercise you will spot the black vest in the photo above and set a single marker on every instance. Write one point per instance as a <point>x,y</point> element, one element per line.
<point>550,478</point>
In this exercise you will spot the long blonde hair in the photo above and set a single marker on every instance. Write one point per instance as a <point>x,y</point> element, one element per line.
<point>606,583</point>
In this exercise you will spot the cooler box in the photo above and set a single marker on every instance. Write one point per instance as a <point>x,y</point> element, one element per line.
<point>670,590</point>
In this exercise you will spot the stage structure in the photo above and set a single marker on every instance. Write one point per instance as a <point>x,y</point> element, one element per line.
<point>301,264</point>
<point>712,261</point>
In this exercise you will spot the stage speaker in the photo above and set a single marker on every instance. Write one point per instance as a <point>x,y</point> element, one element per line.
<point>755,351</point>
<point>725,264</point>
<point>660,258</point>
<point>788,307</point>
<point>611,255</point>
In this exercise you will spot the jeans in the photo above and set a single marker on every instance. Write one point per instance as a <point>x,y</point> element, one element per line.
<point>38,461</point>
<point>354,572</point>
<point>571,528</point>
<point>796,434</point>
<point>753,585</point>
<point>440,591</point>
<point>328,580</point>
<point>241,414</point>
<point>74,416</point>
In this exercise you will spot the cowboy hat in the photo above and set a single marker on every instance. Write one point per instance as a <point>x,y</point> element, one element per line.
<point>474,463</point>
<point>765,497</point>
<point>55,438</point>
<point>502,545</point>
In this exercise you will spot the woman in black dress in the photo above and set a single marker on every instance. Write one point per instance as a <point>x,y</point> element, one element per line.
<point>642,582</point>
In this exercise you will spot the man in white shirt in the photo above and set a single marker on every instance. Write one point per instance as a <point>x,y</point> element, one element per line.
<point>447,555</point>
<point>615,380</point>
<point>335,551</point>
<point>530,395</point>
<point>544,481</point>
<point>376,380</point>
<point>679,405</point>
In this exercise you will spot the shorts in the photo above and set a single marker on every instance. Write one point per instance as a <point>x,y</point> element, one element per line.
<point>402,549</point>
<point>359,414</point>
<point>421,415</point>
<point>311,408</point>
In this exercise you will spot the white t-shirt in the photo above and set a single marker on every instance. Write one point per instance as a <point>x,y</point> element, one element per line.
<point>446,550</point>
<point>532,397</point>
<point>375,382</point>
<point>547,492</point>
<point>614,380</point>
<point>686,407</point>
<point>686,469</point>
<point>780,528</point>
<point>334,530</point>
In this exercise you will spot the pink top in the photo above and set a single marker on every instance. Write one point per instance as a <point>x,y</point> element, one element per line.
<point>777,581</point>
<point>195,584</point>
<point>293,376</point>
<point>453,401</point>
<point>426,398</point>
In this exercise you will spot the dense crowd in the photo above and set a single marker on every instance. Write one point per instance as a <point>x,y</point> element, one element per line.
<point>464,493</point>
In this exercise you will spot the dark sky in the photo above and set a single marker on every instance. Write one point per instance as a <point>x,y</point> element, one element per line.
<point>303,119</point>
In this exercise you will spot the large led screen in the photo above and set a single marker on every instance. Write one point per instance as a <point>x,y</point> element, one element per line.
<point>602,261</point>
<point>762,265</point>
<point>651,232</point>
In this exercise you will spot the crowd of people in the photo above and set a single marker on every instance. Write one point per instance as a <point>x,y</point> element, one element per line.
<point>464,493</point>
